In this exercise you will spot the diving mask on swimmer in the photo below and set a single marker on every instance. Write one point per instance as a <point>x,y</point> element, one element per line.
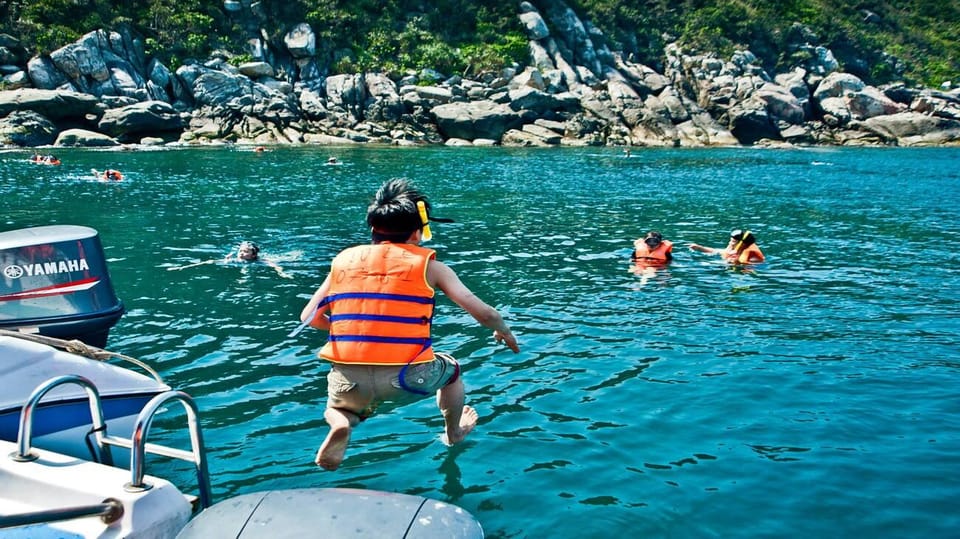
<point>653,240</point>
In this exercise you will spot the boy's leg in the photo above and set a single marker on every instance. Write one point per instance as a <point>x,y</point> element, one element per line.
<point>334,446</point>
<point>458,418</point>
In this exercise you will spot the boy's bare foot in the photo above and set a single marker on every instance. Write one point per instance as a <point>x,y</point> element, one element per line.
<point>468,420</point>
<point>334,447</point>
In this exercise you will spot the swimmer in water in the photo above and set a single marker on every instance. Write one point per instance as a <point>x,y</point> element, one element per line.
<point>741,249</point>
<point>247,251</point>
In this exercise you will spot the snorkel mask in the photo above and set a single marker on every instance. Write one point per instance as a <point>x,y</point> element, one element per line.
<point>653,240</point>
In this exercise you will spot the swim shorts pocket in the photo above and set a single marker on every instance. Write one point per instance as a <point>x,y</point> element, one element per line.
<point>338,384</point>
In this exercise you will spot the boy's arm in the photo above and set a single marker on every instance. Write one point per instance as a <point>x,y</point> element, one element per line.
<point>314,317</point>
<point>444,278</point>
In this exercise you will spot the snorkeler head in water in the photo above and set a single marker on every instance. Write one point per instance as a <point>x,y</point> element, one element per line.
<point>248,251</point>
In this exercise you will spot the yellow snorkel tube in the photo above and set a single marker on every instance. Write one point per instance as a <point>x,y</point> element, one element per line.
<point>743,236</point>
<point>736,249</point>
<point>425,220</point>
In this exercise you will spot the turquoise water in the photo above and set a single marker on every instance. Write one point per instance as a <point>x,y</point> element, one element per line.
<point>815,395</point>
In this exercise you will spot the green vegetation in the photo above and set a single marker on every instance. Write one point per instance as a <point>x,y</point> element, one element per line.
<point>878,40</point>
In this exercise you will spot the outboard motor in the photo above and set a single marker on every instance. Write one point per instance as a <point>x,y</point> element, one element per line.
<point>54,281</point>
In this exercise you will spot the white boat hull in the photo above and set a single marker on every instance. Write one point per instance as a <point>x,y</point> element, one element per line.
<point>63,418</point>
<point>54,481</point>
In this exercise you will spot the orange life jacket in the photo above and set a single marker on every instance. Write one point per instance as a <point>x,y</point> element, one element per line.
<point>751,253</point>
<point>643,255</point>
<point>381,306</point>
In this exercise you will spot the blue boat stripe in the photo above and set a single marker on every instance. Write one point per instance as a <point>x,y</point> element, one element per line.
<point>418,320</point>
<point>426,343</point>
<point>376,295</point>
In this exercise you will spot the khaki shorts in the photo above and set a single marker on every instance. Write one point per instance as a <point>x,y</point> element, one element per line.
<point>360,388</point>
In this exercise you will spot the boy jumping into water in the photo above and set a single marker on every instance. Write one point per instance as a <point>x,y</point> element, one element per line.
<point>377,303</point>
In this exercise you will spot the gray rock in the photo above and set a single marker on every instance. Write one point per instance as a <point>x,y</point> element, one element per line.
<point>547,135</point>
<point>781,104</point>
<point>347,93</point>
<point>44,75</point>
<point>83,137</point>
<point>16,80</point>
<point>838,85</point>
<point>128,123</point>
<point>300,41</point>
<point>750,122</point>
<point>27,128</point>
<point>255,70</point>
<point>533,23</point>
<point>516,137</point>
<point>54,105</point>
<point>477,119</point>
<point>910,128</point>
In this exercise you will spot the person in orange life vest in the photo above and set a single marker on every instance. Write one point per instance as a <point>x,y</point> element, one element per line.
<point>742,248</point>
<point>377,303</point>
<point>652,250</point>
<point>107,175</point>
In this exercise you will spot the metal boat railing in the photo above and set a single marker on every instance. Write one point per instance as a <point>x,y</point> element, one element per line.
<point>110,511</point>
<point>137,444</point>
<point>25,433</point>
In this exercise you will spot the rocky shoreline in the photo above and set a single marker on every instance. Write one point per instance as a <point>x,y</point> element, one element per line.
<point>103,90</point>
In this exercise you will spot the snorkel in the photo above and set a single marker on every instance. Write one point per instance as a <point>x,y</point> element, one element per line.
<point>742,236</point>
<point>425,220</point>
<point>742,248</point>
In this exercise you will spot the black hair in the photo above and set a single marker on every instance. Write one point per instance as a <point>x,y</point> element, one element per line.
<point>393,214</point>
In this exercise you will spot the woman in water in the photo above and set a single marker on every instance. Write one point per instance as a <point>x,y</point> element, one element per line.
<point>742,248</point>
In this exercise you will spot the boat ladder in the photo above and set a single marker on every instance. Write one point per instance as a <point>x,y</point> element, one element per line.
<point>137,445</point>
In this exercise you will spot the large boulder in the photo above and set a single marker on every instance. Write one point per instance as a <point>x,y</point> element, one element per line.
<point>300,41</point>
<point>127,123</point>
<point>912,128</point>
<point>478,119</point>
<point>27,128</point>
<point>99,63</point>
<point>781,103</point>
<point>347,93</point>
<point>83,137</point>
<point>53,104</point>
<point>838,85</point>
<point>534,25</point>
<point>750,122</point>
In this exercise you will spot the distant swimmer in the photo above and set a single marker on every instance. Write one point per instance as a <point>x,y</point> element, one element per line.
<point>742,248</point>
<point>259,149</point>
<point>333,161</point>
<point>650,254</point>
<point>652,250</point>
<point>45,159</point>
<point>626,152</point>
<point>107,175</point>
<point>247,251</point>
